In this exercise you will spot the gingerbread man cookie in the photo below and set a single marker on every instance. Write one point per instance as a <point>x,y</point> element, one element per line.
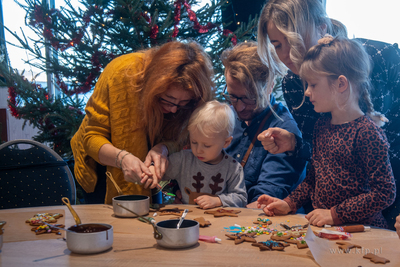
<point>346,246</point>
<point>270,245</point>
<point>223,212</point>
<point>241,237</point>
<point>39,218</point>
<point>47,229</point>
<point>376,259</point>
<point>202,222</point>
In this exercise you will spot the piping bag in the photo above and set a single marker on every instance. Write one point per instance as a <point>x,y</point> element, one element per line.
<point>210,239</point>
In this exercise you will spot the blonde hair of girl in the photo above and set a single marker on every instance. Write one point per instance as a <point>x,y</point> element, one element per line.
<point>333,57</point>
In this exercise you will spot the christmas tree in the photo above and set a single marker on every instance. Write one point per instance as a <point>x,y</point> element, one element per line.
<point>80,41</point>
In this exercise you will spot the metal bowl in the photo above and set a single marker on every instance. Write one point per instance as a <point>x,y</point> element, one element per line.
<point>186,236</point>
<point>82,242</point>
<point>137,203</point>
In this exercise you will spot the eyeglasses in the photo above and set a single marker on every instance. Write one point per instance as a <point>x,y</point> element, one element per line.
<point>167,103</point>
<point>234,99</point>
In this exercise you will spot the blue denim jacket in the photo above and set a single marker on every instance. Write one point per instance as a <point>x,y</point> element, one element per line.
<point>266,173</point>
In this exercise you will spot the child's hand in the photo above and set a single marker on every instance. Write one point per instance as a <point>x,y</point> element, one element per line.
<point>397,225</point>
<point>320,217</point>
<point>149,181</point>
<point>274,206</point>
<point>208,202</point>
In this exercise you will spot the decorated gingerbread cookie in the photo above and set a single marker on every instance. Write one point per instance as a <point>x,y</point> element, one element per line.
<point>263,221</point>
<point>280,236</point>
<point>241,237</point>
<point>301,244</point>
<point>39,218</point>
<point>47,229</point>
<point>375,258</point>
<point>223,212</point>
<point>202,222</point>
<point>270,245</point>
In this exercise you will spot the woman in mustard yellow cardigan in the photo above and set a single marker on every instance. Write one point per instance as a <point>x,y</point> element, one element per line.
<point>140,100</point>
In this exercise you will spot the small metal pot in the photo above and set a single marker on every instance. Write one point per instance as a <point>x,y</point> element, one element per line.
<point>137,203</point>
<point>81,240</point>
<point>186,236</point>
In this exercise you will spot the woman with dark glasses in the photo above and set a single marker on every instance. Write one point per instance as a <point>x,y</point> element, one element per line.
<point>140,100</point>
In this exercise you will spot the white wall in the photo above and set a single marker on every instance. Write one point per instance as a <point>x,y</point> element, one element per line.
<point>14,125</point>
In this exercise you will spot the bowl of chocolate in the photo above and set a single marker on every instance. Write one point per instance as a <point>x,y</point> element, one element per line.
<point>137,203</point>
<point>89,238</point>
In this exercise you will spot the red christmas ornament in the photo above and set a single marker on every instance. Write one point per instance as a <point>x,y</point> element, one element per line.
<point>12,98</point>
<point>154,32</point>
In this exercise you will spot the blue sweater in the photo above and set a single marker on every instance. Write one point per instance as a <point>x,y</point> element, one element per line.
<point>266,173</point>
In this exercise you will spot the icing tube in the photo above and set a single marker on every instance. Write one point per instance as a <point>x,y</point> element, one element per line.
<point>354,228</point>
<point>211,239</point>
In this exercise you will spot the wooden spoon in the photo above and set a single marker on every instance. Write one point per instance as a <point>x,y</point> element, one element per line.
<point>109,175</point>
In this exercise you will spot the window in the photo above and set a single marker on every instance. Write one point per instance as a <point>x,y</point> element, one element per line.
<point>376,20</point>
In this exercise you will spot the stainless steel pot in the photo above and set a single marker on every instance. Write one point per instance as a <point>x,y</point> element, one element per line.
<point>186,236</point>
<point>137,203</point>
<point>90,238</point>
<point>167,234</point>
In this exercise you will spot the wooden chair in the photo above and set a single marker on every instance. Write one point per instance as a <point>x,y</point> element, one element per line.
<point>32,174</point>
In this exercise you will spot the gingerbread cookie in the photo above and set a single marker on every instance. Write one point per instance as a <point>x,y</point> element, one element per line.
<point>223,212</point>
<point>39,218</point>
<point>376,259</point>
<point>263,222</point>
<point>174,211</point>
<point>241,237</point>
<point>346,246</point>
<point>302,244</point>
<point>269,245</point>
<point>291,241</point>
<point>202,222</point>
<point>281,236</point>
<point>47,229</point>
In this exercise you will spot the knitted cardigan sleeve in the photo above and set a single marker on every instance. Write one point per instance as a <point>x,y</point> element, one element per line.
<point>111,118</point>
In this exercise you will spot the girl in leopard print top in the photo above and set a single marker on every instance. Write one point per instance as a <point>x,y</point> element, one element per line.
<point>350,179</point>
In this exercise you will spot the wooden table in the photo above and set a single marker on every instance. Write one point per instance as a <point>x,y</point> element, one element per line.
<point>134,244</point>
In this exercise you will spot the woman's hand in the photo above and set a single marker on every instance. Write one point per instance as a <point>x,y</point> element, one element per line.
<point>208,202</point>
<point>320,217</point>
<point>158,155</point>
<point>133,168</point>
<point>397,225</point>
<point>277,140</point>
<point>273,205</point>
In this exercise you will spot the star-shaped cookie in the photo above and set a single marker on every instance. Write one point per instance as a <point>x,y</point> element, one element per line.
<point>223,212</point>
<point>241,237</point>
